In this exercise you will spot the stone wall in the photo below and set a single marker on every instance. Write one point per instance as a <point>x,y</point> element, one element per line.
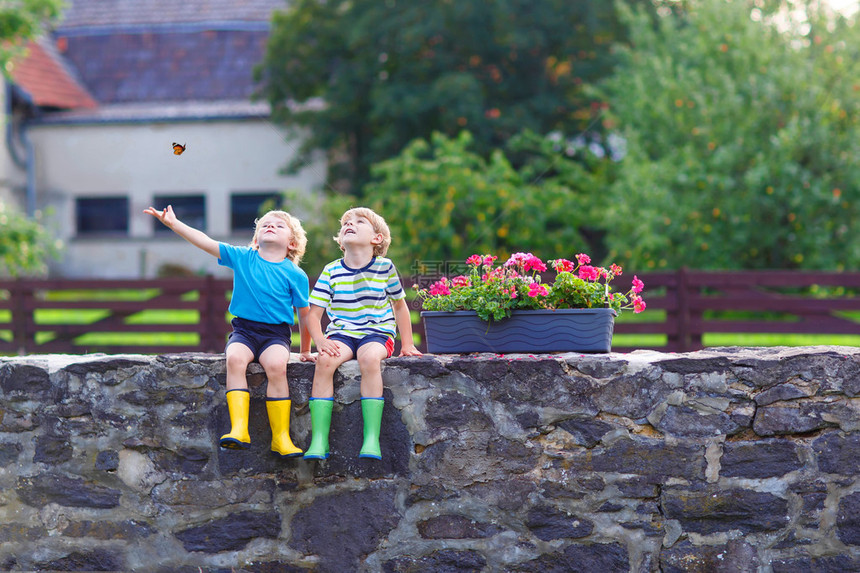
<point>722,460</point>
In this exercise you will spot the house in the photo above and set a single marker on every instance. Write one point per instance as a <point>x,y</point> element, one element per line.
<point>93,111</point>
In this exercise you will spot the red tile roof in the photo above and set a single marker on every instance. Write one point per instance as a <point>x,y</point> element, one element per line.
<point>42,74</point>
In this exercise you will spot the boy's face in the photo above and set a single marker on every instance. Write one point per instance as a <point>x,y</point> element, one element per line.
<point>275,231</point>
<point>358,231</point>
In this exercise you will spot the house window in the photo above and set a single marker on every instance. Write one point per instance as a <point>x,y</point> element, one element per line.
<point>190,209</point>
<point>245,208</point>
<point>101,215</point>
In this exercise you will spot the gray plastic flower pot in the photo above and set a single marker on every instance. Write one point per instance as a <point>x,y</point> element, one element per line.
<point>526,331</point>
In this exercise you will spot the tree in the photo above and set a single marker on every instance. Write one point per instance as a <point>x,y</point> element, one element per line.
<point>742,137</point>
<point>445,202</point>
<point>24,243</point>
<point>21,20</point>
<point>366,77</point>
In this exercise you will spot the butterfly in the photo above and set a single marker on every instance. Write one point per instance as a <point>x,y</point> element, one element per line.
<point>178,149</point>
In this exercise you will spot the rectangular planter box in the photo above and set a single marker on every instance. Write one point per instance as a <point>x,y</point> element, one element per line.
<point>528,331</point>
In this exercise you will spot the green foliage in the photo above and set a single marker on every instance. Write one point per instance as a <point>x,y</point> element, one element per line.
<point>742,138</point>
<point>23,19</point>
<point>392,71</point>
<point>25,245</point>
<point>444,202</point>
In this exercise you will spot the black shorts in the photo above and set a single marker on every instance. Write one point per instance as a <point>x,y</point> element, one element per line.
<point>258,336</point>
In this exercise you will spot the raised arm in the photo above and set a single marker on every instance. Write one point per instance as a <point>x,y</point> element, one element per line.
<point>194,236</point>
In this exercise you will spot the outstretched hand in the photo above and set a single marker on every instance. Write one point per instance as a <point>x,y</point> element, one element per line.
<point>167,216</point>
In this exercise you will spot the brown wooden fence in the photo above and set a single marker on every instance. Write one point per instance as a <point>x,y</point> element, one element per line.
<point>190,314</point>
<point>744,302</point>
<point>114,316</point>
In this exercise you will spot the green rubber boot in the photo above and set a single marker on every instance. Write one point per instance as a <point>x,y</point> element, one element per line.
<point>371,411</point>
<point>320,424</point>
<point>238,404</point>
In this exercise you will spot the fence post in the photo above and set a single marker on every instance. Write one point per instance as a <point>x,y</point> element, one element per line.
<point>683,312</point>
<point>20,320</point>
<point>686,339</point>
<point>210,327</point>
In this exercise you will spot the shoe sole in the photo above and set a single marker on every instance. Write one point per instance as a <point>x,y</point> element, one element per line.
<point>234,444</point>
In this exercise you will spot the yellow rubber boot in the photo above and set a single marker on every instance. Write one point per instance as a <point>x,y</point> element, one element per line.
<point>279,420</point>
<point>238,403</point>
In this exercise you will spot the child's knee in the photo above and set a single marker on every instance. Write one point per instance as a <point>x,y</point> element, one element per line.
<point>274,366</point>
<point>327,364</point>
<point>237,360</point>
<point>369,363</point>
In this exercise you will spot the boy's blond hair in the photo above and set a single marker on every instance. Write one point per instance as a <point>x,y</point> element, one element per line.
<point>377,222</point>
<point>300,238</point>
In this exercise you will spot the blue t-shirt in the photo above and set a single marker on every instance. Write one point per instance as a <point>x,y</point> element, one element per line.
<point>264,291</point>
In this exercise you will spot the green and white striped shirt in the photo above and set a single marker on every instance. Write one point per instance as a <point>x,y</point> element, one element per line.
<point>358,301</point>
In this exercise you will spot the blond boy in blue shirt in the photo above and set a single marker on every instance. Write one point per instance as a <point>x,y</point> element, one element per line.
<point>267,286</point>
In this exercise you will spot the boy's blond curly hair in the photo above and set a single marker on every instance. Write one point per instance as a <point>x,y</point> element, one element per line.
<point>300,238</point>
<point>377,222</point>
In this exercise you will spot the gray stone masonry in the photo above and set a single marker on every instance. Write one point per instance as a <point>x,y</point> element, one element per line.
<point>729,459</point>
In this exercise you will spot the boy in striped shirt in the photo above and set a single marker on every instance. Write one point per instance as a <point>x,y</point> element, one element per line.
<point>366,305</point>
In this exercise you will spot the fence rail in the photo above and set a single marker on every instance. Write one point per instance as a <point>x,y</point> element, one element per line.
<point>190,314</point>
<point>114,316</point>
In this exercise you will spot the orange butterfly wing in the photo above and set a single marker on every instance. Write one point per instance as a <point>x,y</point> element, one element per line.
<point>178,149</point>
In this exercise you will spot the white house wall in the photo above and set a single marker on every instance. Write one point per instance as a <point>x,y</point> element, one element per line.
<point>137,160</point>
<point>13,179</point>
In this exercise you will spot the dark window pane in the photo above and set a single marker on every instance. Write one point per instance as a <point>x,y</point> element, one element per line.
<point>245,208</point>
<point>102,215</point>
<point>190,209</point>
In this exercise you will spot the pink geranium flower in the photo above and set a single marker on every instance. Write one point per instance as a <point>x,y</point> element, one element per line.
<point>533,263</point>
<point>526,261</point>
<point>537,289</point>
<point>517,259</point>
<point>588,273</point>
<point>495,291</point>
<point>440,288</point>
